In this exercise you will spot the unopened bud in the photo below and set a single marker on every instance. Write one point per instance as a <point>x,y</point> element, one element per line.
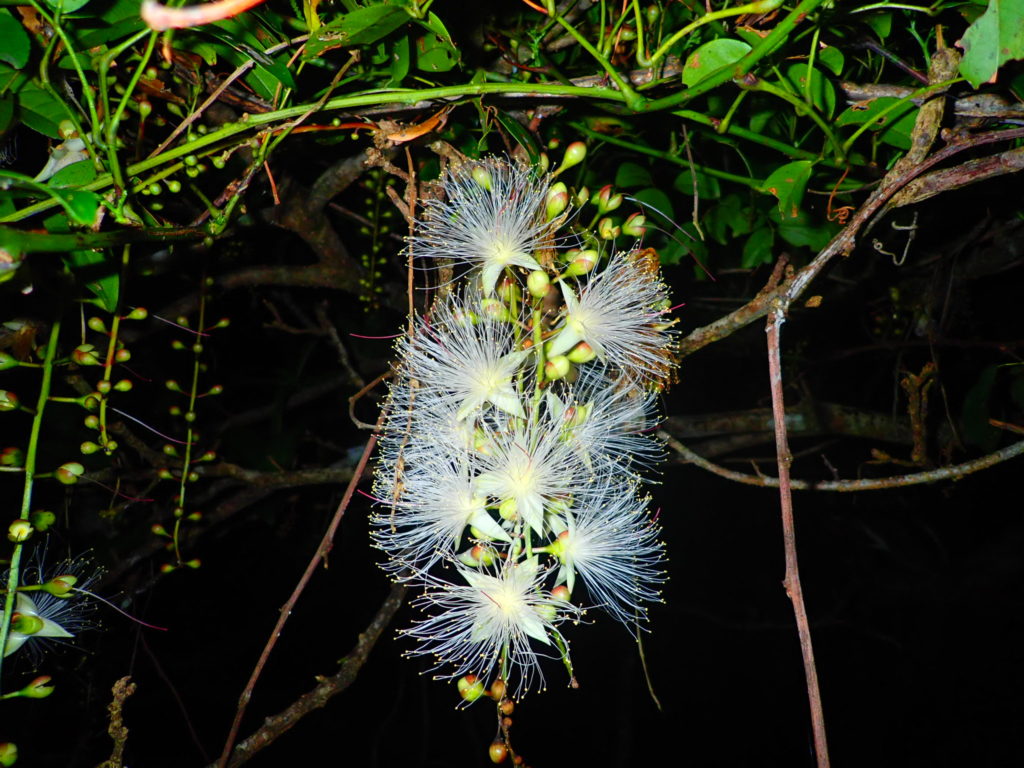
<point>497,752</point>
<point>574,155</point>
<point>607,230</point>
<point>69,472</point>
<point>561,592</point>
<point>7,362</point>
<point>97,324</point>
<point>8,400</point>
<point>495,310</point>
<point>470,688</point>
<point>42,519</point>
<point>581,353</point>
<point>139,313</point>
<point>509,290</point>
<point>537,283</point>
<point>606,199</point>
<point>26,623</point>
<point>508,509</point>
<point>8,753</point>
<point>583,264</point>
<point>59,586</point>
<point>85,354</point>
<point>39,688</point>
<point>482,177</point>
<point>558,200</point>
<point>12,456</point>
<point>557,367</point>
<point>497,691</point>
<point>634,225</point>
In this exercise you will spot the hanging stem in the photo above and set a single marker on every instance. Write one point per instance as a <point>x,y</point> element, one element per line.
<point>776,317</point>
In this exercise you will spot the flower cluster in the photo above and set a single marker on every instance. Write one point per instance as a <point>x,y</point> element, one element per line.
<point>516,432</point>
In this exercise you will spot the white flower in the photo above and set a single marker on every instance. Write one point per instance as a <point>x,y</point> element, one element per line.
<point>491,227</point>
<point>27,623</point>
<point>441,502</point>
<point>485,627</point>
<point>466,360</point>
<point>611,543</point>
<point>529,467</point>
<point>619,313</point>
<point>605,421</point>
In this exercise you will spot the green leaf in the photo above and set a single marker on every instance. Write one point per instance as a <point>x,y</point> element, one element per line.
<point>74,175</point>
<point>632,175</point>
<point>7,104</point>
<point>895,126</point>
<point>101,274</point>
<point>758,248</point>
<point>708,187</point>
<point>40,111</point>
<point>81,206</point>
<point>994,39</point>
<point>711,57</point>
<point>788,183</point>
<point>435,54</point>
<point>400,57</point>
<point>729,219</point>
<point>360,27</point>
<point>66,6</point>
<point>832,59</point>
<point>521,135</point>
<point>881,23</point>
<point>822,94</point>
<point>801,231</point>
<point>15,47</point>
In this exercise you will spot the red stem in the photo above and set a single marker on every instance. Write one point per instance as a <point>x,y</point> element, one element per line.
<point>776,316</point>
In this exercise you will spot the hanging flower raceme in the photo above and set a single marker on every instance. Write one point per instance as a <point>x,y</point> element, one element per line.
<point>516,431</point>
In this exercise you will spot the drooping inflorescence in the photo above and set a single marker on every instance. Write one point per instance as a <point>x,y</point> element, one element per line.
<point>517,429</point>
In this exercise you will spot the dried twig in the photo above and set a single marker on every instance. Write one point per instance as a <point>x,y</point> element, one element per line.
<point>122,689</point>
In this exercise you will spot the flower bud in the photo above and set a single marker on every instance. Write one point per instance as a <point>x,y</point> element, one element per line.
<point>60,586</point>
<point>507,707</point>
<point>85,354</point>
<point>543,163</point>
<point>42,519</point>
<point>634,225</point>
<point>557,367</point>
<point>574,155</point>
<point>482,177</point>
<point>495,310</point>
<point>497,752</point>
<point>19,531</point>
<point>7,362</point>
<point>607,230</point>
<point>561,592</point>
<point>104,387</point>
<point>558,200</point>
<point>581,353</point>
<point>124,385</point>
<point>508,509</point>
<point>69,472</point>
<point>537,283</point>
<point>97,324</point>
<point>8,753</point>
<point>26,623</point>
<point>583,264</point>
<point>470,688</point>
<point>139,313</point>
<point>122,356</point>
<point>497,691</point>
<point>606,199</point>
<point>582,196</point>
<point>39,688</point>
<point>8,400</point>
<point>88,448</point>
<point>12,456</point>
<point>509,290</point>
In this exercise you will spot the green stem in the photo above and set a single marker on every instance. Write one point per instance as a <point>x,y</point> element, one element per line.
<point>760,6</point>
<point>780,32</point>
<point>17,241</point>
<point>30,475</point>
<point>759,84</point>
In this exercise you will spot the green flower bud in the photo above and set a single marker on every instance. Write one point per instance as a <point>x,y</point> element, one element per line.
<point>42,519</point>
<point>574,155</point>
<point>495,310</point>
<point>88,448</point>
<point>583,264</point>
<point>606,200</point>
<point>557,367</point>
<point>508,509</point>
<point>7,362</point>
<point>60,586</point>
<point>8,754</point>
<point>122,356</point>
<point>85,354</point>
<point>581,353</point>
<point>482,177</point>
<point>12,457</point>
<point>470,688</point>
<point>607,230</point>
<point>104,387</point>
<point>26,623</point>
<point>538,283</point>
<point>634,225</point>
<point>557,200</point>
<point>139,313</point>
<point>8,400</point>
<point>69,472</point>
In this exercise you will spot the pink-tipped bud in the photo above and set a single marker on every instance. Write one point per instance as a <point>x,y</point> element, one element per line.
<point>634,225</point>
<point>19,531</point>
<point>508,509</point>
<point>60,586</point>
<point>538,283</point>
<point>26,623</point>
<point>583,265</point>
<point>139,313</point>
<point>558,200</point>
<point>471,688</point>
<point>574,155</point>
<point>85,354</point>
<point>69,472</point>
<point>104,387</point>
<point>96,324</point>
<point>507,707</point>
<point>543,163</point>
<point>122,356</point>
<point>39,688</point>
<point>497,691</point>
<point>581,353</point>
<point>561,592</point>
<point>557,367</point>
<point>8,753</point>
<point>12,456</point>
<point>495,310</point>
<point>606,199</point>
<point>582,196</point>
<point>607,230</point>
<point>8,400</point>
<point>124,385</point>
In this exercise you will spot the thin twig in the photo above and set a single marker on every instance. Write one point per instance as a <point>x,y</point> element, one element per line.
<point>286,610</point>
<point>792,580</point>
